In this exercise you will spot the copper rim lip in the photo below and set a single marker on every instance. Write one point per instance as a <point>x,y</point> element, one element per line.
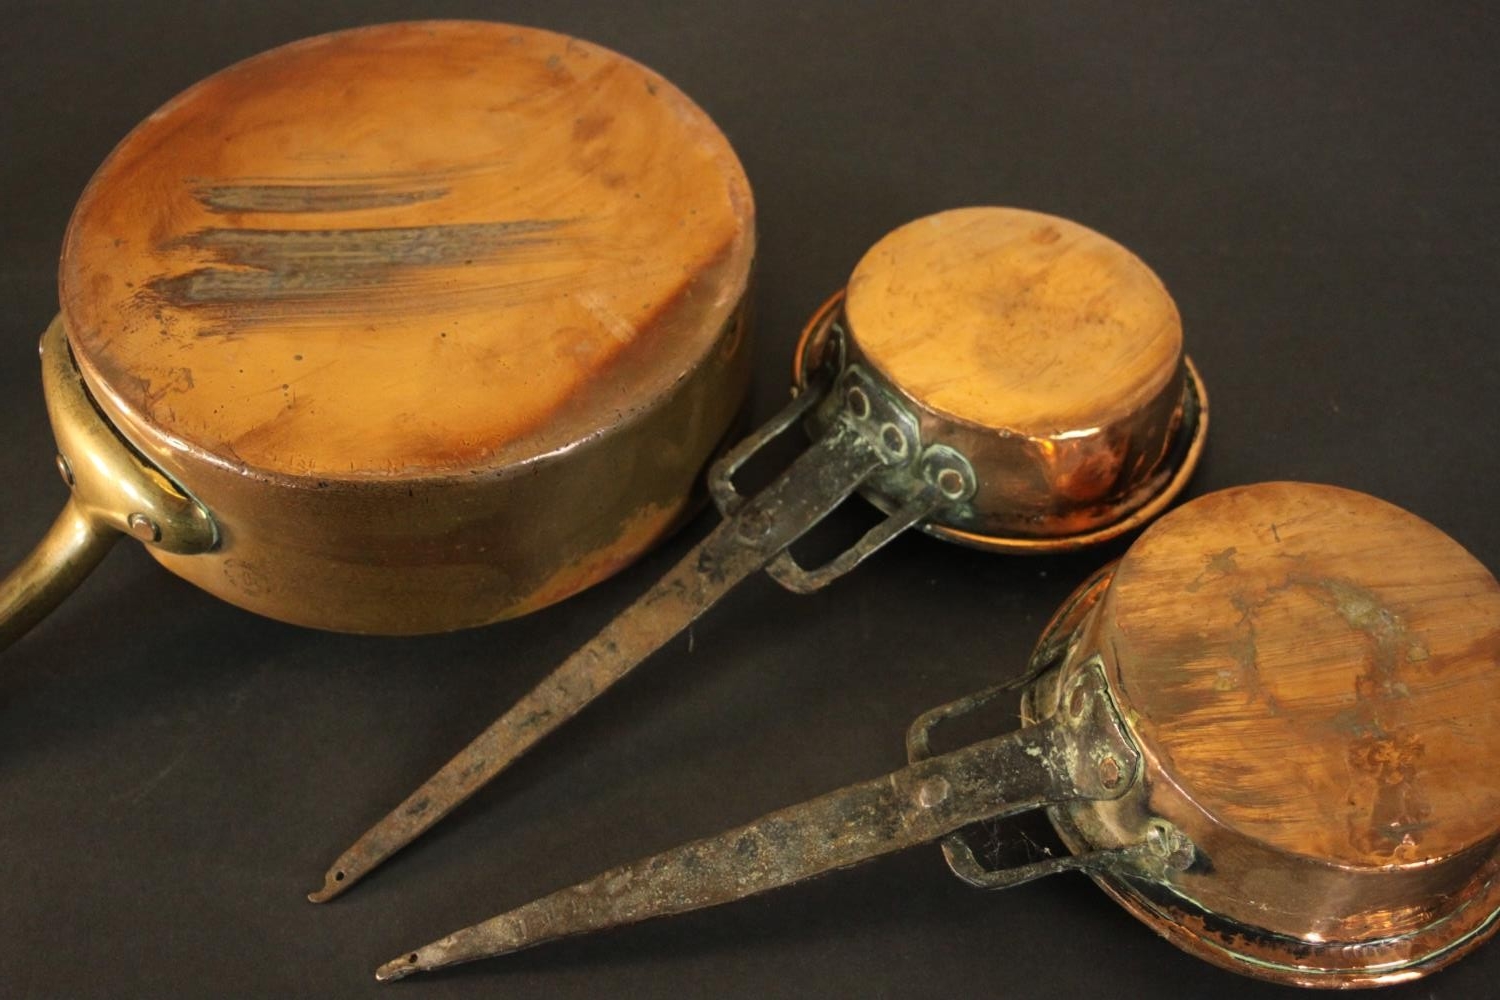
<point>1318,964</point>
<point>1278,958</point>
<point>1194,428</point>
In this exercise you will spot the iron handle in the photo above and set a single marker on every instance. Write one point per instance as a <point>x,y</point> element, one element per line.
<point>868,435</point>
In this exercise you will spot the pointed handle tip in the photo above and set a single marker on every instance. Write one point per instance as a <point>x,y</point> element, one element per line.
<point>334,884</point>
<point>398,968</point>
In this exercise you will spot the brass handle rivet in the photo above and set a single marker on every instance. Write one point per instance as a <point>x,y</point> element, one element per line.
<point>143,528</point>
<point>65,470</point>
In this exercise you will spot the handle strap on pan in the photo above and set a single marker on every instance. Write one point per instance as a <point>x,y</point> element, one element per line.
<point>114,491</point>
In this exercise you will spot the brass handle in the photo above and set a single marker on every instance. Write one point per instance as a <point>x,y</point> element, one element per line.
<point>69,551</point>
<point>115,491</point>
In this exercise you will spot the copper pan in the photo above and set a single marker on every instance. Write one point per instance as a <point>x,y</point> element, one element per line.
<point>1271,731</point>
<point>402,329</point>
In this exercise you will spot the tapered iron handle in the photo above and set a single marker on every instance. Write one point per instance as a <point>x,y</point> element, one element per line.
<point>1082,753</point>
<point>919,803</point>
<point>817,481</point>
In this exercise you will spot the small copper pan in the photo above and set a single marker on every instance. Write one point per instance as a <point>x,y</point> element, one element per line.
<point>1271,731</point>
<point>992,376</point>
<point>1046,354</point>
<point>402,329</point>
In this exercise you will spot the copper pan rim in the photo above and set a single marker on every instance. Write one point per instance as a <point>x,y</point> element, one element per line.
<point>1301,962</point>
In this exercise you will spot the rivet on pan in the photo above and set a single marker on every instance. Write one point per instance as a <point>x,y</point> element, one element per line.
<point>859,403</point>
<point>65,470</point>
<point>951,482</point>
<point>893,439</point>
<point>754,525</point>
<point>1110,773</point>
<point>142,528</point>
<point>932,792</point>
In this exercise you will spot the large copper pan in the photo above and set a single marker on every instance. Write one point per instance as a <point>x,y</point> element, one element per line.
<point>401,329</point>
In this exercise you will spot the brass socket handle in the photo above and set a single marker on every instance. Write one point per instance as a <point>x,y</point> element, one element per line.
<point>114,492</point>
<point>1271,731</point>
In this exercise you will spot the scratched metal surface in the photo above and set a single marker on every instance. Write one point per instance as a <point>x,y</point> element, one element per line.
<point>1315,185</point>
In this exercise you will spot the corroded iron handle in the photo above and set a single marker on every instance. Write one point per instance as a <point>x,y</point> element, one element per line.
<point>866,434</point>
<point>114,491</point>
<point>817,481</point>
<point>1054,761</point>
<point>916,804</point>
<point>1104,765</point>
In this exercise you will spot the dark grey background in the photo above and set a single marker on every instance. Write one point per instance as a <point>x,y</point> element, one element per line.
<point>1316,184</point>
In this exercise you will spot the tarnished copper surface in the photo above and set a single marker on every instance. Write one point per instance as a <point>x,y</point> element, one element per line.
<point>441,320</point>
<point>1313,677</point>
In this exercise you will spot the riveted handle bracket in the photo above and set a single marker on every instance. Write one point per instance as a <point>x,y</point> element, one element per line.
<point>919,480</point>
<point>114,492</point>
